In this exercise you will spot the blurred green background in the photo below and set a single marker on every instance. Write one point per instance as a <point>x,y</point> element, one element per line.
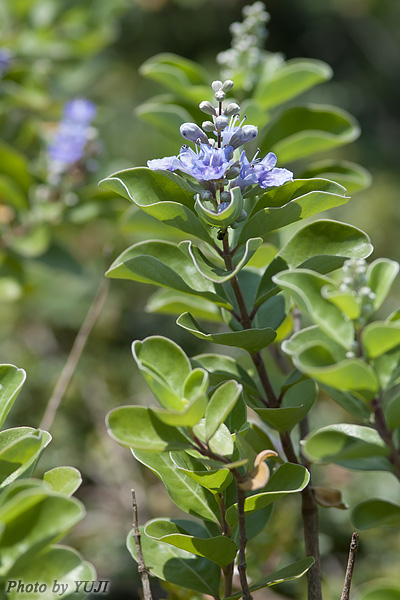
<point>61,49</point>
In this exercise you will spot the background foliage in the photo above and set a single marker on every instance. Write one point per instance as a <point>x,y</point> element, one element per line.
<point>57,252</point>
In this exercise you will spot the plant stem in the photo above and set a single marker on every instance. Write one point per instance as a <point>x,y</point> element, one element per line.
<point>143,572</point>
<point>350,567</point>
<point>386,435</point>
<point>241,497</point>
<point>74,356</point>
<point>309,506</point>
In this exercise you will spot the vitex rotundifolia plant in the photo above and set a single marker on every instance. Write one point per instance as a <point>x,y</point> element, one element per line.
<point>222,469</point>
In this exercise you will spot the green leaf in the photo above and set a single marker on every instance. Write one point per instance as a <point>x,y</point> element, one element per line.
<point>220,443</point>
<point>348,174</point>
<point>58,563</point>
<point>227,216</point>
<point>165,367</point>
<point>392,411</point>
<point>11,381</point>
<point>20,449</point>
<point>215,480</point>
<point>389,590</point>
<point>349,446</point>
<point>217,273</point>
<point>219,549</point>
<point>292,571</point>
<point>159,196</point>
<point>195,388</point>
<point>375,513</point>
<point>350,403</point>
<point>169,302</point>
<point>184,77</point>
<point>289,80</point>
<point>178,566</point>
<point>352,374</point>
<point>167,118</point>
<point>380,276</point>
<point>138,427</point>
<point>186,493</point>
<point>33,243</point>
<point>311,336</point>
<point>295,201</point>
<point>296,403</point>
<point>325,238</point>
<point>305,287</point>
<point>347,302</point>
<point>221,403</point>
<point>301,131</point>
<point>251,340</point>
<point>221,368</point>
<point>172,270</point>
<point>32,519</point>
<point>63,480</point>
<point>287,479</point>
<point>380,337</point>
<point>15,165</point>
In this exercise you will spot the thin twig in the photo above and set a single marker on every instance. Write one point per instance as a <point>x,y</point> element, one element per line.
<point>143,572</point>
<point>74,356</point>
<point>386,435</point>
<point>350,567</point>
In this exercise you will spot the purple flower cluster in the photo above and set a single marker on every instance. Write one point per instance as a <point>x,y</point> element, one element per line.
<point>68,145</point>
<point>206,164</point>
<point>213,163</point>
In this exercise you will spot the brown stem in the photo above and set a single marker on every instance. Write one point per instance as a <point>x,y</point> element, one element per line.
<point>350,567</point>
<point>241,497</point>
<point>74,356</point>
<point>309,506</point>
<point>386,435</point>
<point>226,530</point>
<point>143,572</point>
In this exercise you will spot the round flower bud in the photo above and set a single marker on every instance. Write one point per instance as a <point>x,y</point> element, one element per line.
<point>227,85</point>
<point>208,126</point>
<point>221,123</point>
<point>243,135</point>
<point>233,172</point>
<point>208,108</point>
<point>220,96</point>
<point>225,196</point>
<point>192,132</point>
<point>365,291</point>
<point>232,109</point>
<point>222,206</point>
<point>216,85</point>
<point>206,195</point>
<point>350,354</point>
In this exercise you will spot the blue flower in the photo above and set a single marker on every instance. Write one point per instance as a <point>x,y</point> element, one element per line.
<point>69,142</point>
<point>261,171</point>
<point>80,111</point>
<point>206,164</point>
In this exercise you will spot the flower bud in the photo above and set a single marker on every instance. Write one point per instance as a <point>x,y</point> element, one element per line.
<point>243,135</point>
<point>206,195</point>
<point>208,126</point>
<point>192,132</point>
<point>216,85</point>
<point>220,96</point>
<point>222,206</point>
<point>225,197</point>
<point>232,109</point>
<point>221,123</point>
<point>227,85</point>
<point>207,108</point>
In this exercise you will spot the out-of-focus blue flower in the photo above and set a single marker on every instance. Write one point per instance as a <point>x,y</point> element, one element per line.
<point>207,164</point>
<point>80,110</point>
<point>68,144</point>
<point>5,61</point>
